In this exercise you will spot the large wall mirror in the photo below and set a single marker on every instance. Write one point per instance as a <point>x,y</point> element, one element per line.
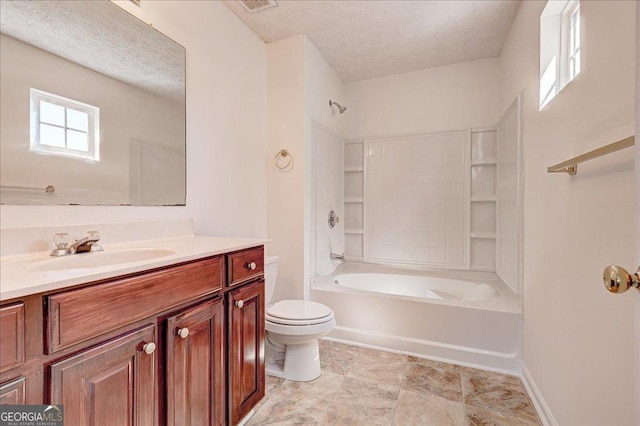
<point>93,107</point>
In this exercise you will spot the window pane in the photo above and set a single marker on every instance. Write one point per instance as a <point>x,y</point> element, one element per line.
<point>51,135</point>
<point>77,141</point>
<point>576,64</point>
<point>51,113</point>
<point>77,120</point>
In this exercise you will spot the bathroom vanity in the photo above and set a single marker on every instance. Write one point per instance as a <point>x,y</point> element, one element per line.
<point>177,340</point>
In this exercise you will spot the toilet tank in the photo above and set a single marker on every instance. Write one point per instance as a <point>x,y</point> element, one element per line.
<point>270,276</point>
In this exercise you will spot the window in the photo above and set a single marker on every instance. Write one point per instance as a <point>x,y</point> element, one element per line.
<point>574,45</point>
<point>65,127</point>
<point>559,47</point>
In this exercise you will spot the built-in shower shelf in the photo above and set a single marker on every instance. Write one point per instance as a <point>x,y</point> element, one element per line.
<point>484,163</point>
<point>354,231</point>
<point>353,169</point>
<point>353,200</point>
<point>483,198</point>
<point>483,235</point>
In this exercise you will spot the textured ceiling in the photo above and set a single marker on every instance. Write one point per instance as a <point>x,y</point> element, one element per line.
<point>367,39</point>
<point>101,36</point>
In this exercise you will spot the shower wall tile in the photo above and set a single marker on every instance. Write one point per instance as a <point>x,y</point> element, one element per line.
<point>416,199</point>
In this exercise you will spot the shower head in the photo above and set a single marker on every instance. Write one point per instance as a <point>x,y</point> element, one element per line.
<point>340,107</point>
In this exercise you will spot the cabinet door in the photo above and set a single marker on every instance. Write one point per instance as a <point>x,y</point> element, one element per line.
<point>195,366</point>
<point>13,392</point>
<point>246,349</point>
<point>111,384</point>
<point>12,341</point>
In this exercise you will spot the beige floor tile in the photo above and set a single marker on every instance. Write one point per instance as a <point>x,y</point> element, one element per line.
<point>363,402</point>
<point>497,392</point>
<point>320,390</point>
<point>480,417</point>
<point>271,384</point>
<point>434,377</point>
<point>332,419</point>
<point>337,357</point>
<point>356,388</point>
<point>426,409</point>
<point>379,367</point>
<point>366,356</point>
<point>281,411</point>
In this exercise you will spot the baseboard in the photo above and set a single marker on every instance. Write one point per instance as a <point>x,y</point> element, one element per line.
<point>470,357</point>
<point>544,412</point>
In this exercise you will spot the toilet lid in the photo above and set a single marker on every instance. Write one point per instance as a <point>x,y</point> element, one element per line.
<point>298,311</point>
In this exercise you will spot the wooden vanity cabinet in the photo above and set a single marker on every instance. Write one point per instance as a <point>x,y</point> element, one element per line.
<point>111,384</point>
<point>178,345</point>
<point>246,348</point>
<point>195,366</point>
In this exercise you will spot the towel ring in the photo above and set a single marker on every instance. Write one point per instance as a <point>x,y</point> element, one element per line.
<point>283,160</point>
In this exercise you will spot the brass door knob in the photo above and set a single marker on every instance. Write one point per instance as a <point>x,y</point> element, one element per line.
<point>617,280</point>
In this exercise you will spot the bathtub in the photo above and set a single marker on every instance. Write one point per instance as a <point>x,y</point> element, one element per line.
<point>468,318</point>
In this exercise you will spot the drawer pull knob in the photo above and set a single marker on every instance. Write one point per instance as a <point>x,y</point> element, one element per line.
<point>251,266</point>
<point>239,303</point>
<point>183,332</point>
<point>149,348</point>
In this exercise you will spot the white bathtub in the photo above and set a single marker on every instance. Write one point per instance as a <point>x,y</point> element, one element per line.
<point>458,316</point>
<point>427,287</point>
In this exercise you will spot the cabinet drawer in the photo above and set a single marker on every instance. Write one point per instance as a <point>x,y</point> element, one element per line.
<point>245,265</point>
<point>11,336</point>
<point>78,315</point>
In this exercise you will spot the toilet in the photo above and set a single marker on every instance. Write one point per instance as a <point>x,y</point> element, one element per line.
<point>293,328</point>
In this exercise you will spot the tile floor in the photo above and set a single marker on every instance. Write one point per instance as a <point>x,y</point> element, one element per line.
<point>360,386</point>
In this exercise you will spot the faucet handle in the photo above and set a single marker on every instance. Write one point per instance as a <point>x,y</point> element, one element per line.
<point>61,240</point>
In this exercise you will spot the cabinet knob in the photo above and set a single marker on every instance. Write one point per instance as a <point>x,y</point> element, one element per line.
<point>251,266</point>
<point>149,348</point>
<point>183,332</point>
<point>239,303</point>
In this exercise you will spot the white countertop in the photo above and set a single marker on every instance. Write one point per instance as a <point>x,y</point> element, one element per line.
<point>23,275</point>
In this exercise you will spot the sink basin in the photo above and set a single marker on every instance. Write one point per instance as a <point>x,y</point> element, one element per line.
<point>96,260</point>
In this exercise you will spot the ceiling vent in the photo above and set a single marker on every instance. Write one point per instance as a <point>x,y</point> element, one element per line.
<point>258,5</point>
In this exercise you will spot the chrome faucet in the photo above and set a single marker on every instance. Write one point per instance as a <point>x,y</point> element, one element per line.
<point>335,256</point>
<point>88,243</point>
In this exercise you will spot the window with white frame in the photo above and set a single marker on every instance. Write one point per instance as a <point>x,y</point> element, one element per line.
<point>64,127</point>
<point>574,41</point>
<point>559,47</point>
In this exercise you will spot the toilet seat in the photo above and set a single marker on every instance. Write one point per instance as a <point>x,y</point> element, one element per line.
<point>298,313</point>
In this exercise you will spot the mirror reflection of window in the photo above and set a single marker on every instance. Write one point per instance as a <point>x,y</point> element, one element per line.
<point>63,126</point>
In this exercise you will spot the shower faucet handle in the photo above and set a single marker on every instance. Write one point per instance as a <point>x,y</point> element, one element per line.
<point>333,219</point>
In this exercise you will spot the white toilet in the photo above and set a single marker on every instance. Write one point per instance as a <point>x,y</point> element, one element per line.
<point>293,329</point>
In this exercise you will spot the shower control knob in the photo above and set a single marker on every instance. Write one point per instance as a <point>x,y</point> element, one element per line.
<point>239,303</point>
<point>617,280</point>
<point>149,348</point>
<point>183,332</point>
<point>251,266</point>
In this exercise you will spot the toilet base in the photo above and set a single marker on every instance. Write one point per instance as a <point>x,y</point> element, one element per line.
<point>301,363</point>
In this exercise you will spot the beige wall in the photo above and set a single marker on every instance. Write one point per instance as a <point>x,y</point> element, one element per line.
<point>286,191</point>
<point>578,339</point>
<point>226,127</point>
<point>453,97</point>
<point>300,84</point>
